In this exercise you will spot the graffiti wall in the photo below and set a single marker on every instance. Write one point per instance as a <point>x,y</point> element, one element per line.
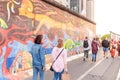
<point>22,20</point>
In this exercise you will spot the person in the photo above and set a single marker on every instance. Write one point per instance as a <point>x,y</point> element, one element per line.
<point>38,58</point>
<point>112,48</point>
<point>105,45</point>
<point>94,46</point>
<point>86,47</point>
<point>118,47</point>
<point>98,41</point>
<point>60,65</point>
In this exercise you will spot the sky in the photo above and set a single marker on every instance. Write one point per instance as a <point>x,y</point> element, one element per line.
<point>107,16</point>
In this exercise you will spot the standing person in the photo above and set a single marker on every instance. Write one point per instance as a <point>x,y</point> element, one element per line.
<point>98,41</point>
<point>60,64</point>
<point>38,58</point>
<point>86,47</point>
<point>112,48</point>
<point>94,46</point>
<point>105,45</point>
<point>118,47</point>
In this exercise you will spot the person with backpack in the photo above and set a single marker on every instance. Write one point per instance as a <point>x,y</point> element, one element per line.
<point>105,45</point>
<point>86,47</point>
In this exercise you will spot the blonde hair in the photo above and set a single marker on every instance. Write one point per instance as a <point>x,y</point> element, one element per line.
<point>60,43</point>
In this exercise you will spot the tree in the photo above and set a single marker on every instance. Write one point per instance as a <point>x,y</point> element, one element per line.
<point>104,36</point>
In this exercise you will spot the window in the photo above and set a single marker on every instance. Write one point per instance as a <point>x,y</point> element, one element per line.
<point>74,5</point>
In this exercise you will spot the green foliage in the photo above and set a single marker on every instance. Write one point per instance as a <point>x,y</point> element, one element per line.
<point>104,36</point>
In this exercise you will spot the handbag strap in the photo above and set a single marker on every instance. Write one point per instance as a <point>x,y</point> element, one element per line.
<point>57,56</point>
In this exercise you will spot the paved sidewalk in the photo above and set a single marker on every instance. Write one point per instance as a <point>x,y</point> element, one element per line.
<point>88,70</point>
<point>76,66</point>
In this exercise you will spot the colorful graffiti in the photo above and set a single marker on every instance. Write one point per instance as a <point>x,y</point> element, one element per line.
<point>22,20</point>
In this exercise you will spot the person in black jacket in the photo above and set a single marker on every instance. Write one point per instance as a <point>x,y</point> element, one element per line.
<point>105,45</point>
<point>86,46</point>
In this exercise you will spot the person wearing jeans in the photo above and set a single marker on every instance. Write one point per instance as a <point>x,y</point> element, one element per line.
<point>36,70</point>
<point>60,64</point>
<point>94,55</point>
<point>58,75</point>
<point>38,58</point>
<point>105,45</point>
<point>94,46</point>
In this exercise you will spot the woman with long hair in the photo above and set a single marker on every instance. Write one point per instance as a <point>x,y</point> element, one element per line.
<point>60,64</point>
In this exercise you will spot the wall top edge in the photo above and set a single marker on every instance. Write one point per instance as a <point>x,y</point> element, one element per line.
<point>60,6</point>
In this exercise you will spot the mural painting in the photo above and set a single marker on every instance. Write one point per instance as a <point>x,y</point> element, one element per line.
<point>22,20</point>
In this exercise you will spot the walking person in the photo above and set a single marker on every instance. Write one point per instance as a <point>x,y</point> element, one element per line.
<point>38,58</point>
<point>59,58</point>
<point>86,47</point>
<point>94,46</point>
<point>105,45</point>
<point>112,48</point>
<point>118,47</point>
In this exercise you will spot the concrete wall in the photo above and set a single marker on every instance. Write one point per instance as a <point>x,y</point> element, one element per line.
<point>21,20</point>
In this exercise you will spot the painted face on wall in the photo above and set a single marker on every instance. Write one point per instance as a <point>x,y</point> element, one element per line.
<point>26,8</point>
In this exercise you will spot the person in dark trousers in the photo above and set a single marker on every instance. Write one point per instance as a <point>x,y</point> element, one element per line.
<point>94,46</point>
<point>105,45</point>
<point>86,47</point>
<point>38,58</point>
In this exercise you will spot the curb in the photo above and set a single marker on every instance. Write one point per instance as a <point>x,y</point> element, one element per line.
<point>75,57</point>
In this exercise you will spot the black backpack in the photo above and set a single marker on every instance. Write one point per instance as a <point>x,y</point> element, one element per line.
<point>85,44</point>
<point>105,43</point>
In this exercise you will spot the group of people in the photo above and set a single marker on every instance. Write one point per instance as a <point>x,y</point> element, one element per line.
<point>108,46</point>
<point>111,46</point>
<point>93,46</point>
<point>59,55</point>
<point>59,59</point>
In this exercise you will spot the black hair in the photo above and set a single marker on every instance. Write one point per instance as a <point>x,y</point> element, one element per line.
<point>38,39</point>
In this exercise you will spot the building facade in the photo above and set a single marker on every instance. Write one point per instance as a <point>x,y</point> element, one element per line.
<point>83,7</point>
<point>65,3</point>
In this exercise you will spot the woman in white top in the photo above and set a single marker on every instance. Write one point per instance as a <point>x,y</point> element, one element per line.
<point>60,65</point>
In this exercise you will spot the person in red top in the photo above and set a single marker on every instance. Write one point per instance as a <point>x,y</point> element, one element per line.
<point>112,48</point>
<point>94,46</point>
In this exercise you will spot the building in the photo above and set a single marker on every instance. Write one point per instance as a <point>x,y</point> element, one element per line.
<point>65,3</point>
<point>83,7</point>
